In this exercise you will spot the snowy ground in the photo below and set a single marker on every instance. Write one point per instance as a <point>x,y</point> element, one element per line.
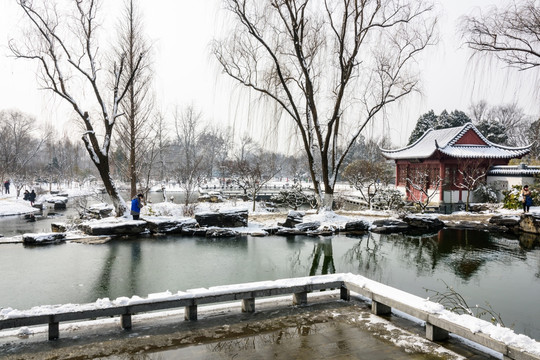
<point>10,205</point>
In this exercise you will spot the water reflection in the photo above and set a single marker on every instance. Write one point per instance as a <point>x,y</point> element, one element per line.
<point>323,248</point>
<point>476,264</point>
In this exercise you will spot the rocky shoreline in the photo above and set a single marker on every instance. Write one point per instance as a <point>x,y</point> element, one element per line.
<point>226,223</point>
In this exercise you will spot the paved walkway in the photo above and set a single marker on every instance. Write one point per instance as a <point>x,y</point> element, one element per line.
<point>325,330</point>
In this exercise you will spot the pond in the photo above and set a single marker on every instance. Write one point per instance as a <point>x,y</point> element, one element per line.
<point>479,266</point>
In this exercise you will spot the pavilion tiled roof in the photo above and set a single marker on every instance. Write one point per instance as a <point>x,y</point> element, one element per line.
<point>444,141</point>
<point>514,170</point>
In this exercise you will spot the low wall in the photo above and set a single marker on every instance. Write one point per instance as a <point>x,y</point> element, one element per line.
<point>439,322</point>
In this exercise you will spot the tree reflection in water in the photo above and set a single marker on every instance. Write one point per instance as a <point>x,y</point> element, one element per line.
<point>323,248</point>
<point>465,252</point>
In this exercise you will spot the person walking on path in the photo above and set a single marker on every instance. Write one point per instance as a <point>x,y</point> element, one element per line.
<point>136,205</point>
<point>527,198</point>
<point>32,197</point>
<point>6,185</point>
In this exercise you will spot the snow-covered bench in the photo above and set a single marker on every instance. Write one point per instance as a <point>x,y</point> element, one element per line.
<point>439,322</point>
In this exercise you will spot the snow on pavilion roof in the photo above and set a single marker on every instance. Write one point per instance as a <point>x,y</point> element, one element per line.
<point>517,170</point>
<point>447,142</point>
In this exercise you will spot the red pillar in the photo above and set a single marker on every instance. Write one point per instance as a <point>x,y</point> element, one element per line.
<point>441,174</point>
<point>460,181</point>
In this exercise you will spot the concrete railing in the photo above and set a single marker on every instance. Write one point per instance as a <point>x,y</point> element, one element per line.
<point>384,299</point>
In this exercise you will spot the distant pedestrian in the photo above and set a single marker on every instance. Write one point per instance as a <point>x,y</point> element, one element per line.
<point>6,185</point>
<point>26,195</point>
<point>527,198</point>
<point>32,197</point>
<point>136,205</point>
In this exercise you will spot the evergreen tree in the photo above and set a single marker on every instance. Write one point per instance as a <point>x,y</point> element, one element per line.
<point>444,121</point>
<point>425,122</point>
<point>493,131</point>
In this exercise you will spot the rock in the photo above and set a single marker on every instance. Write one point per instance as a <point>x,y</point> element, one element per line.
<point>60,206</point>
<point>271,230</point>
<point>530,223</point>
<point>98,211</point>
<point>43,239</point>
<point>510,221</point>
<point>212,197</point>
<point>389,226</point>
<point>58,227</point>
<point>194,231</point>
<point>424,222</point>
<point>219,232</point>
<point>258,233</point>
<point>169,225</point>
<point>113,226</point>
<point>223,218</point>
<point>58,199</point>
<point>355,227</point>
<point>309,226</point>
<point>478,207</point>
<point>293,218</point>
<point>289,231</point>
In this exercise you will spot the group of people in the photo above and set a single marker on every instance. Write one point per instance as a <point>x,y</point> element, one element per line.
<point>30,196</point>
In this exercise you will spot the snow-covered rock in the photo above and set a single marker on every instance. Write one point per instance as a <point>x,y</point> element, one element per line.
<point>293,218</point>
<point>43,239</point>
<point>113,226</point>
<point>389,226</point>
<point>223,218</point>
<point>424,222</point>
<point>169,225</point>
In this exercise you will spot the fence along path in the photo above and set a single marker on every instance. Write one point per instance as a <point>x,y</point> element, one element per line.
<point>439,322</point>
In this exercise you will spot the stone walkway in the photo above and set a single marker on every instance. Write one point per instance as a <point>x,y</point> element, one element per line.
<point>323,330</point>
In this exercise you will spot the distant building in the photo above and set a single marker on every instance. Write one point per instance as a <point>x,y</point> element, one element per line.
<point>449,154</point>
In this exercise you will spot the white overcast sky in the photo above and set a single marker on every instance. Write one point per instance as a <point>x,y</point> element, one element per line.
<point>181,31</point>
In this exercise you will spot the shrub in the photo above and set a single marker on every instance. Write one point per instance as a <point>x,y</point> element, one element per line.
<point>511,197</point>
<point>486,193</point>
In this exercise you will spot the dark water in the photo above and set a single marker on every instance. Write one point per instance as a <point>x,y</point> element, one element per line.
<point>481,267</point>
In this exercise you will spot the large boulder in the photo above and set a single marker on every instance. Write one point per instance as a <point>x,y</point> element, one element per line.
<point>293,218</point>
<point>508,222</point>
<point>113,226</point>
<point>389,226</point>
<point>308,226</point>
<point>530,223</point>
<point>169,225</point>
<point>98,211</point>
<point>223,218</point>
<point>424,222</point>
<point>356,227</point>
<point>43,239</point>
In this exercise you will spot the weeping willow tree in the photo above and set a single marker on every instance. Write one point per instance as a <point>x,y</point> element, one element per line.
<point>331,67</point>
<point>63,41</point>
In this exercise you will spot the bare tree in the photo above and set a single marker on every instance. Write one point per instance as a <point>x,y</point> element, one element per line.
<point>472,173</point>
<point>368,177</point>
<point>133,129</point>
<point>66,49</point>
<point>18,147</point>
<point>502,124</point>
<point>422,186</point>
<point>330,66</point>
<point>253,172</point>
<point>189,170</point>
<point>510,33</point>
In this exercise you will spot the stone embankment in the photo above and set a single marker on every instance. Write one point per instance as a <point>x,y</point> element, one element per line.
<point>224,223</point>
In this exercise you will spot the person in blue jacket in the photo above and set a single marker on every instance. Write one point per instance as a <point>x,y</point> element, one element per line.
<point>136,205</point>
